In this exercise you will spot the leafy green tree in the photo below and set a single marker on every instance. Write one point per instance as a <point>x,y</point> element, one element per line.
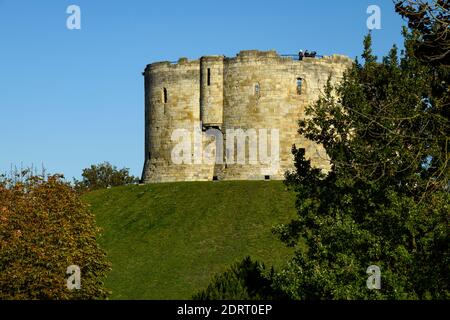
<point>246,280</point>
<point>386,200</point>
<point>431,20</point>
<point>430,43</point>
<point>103,175</point>
<point>44,229</point>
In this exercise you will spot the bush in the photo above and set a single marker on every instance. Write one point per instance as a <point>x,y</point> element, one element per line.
<point>246,280</point>
<point>45,228</point>
<point>103,175</point>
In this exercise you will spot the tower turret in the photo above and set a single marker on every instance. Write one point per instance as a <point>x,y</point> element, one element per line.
<point>211,91</point>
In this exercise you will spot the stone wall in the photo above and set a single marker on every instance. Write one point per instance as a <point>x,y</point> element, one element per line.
<point>252,91</point>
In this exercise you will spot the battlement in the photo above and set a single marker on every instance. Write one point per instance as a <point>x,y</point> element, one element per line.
<point>251,91</point>
<point>251,55</point>
<point>257,54</point>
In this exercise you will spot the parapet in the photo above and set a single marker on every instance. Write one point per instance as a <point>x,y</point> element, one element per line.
<point>257,54</point>
<point>247,55</point>
<point>215,58</point>
<point>169,65</point>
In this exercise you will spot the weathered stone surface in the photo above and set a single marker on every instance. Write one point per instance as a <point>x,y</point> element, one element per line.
<point>254,90</point>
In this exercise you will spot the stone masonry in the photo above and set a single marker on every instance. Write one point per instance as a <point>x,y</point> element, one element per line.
<point>254,90</point>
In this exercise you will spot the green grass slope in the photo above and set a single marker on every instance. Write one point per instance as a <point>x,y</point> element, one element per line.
<point>166,241</point>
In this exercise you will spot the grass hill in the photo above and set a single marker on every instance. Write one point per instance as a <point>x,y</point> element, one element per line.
<point>166,241</point>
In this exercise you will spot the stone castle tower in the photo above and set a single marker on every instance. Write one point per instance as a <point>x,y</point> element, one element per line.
<point>254,90</point>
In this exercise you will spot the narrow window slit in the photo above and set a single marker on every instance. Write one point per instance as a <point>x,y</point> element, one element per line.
<point>257,89</point>
<point>209,77</point>
<point>299,86</point>
<point>165,95</point>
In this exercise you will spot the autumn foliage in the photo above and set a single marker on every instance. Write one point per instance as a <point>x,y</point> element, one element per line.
<point>45,228</point>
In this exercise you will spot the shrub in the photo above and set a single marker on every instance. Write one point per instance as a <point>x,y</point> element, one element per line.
<point>246,280</point>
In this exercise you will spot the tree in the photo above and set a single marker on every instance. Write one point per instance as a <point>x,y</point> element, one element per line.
<point>44,229</point>
<point>429,42</point>
<point>386,200</point>
<point>431,20</point>
<point>102,176</point>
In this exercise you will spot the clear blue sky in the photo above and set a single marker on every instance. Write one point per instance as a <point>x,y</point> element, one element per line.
<point>71,98</point>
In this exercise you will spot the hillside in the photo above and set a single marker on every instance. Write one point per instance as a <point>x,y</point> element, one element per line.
<point>166,241</point>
